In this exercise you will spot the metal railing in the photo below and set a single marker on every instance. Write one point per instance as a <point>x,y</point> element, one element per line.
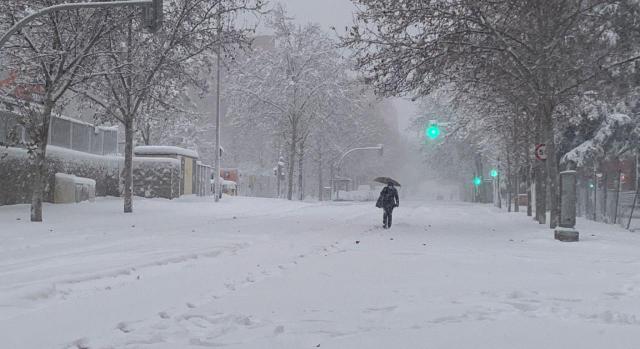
<point>64,132</point>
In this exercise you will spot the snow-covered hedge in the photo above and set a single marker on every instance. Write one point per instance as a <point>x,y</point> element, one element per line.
<point>156,177</point>
<point>358,195</point>
<point>153,177</point>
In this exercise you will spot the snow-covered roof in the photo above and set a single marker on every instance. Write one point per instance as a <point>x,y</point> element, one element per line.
<point>75,179</point>
<point>164,150</point>
<point>75,121</point>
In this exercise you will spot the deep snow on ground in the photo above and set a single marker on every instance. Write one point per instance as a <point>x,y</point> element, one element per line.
<point>259,273</point>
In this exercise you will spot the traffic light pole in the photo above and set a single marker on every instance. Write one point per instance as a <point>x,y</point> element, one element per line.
<point>65,7</point>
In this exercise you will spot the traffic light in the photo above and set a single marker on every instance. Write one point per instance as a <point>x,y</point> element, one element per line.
<point>433,131</point>
<point>153,15</point>
<point>477,181</point>
<point>493,173</point>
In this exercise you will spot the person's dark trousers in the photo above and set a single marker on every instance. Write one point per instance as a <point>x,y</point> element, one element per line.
<point>387,217</point>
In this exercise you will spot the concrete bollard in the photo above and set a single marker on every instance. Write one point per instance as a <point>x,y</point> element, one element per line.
<point>566,230</point>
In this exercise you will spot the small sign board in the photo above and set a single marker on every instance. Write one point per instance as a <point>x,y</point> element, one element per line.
<point>541,151</point>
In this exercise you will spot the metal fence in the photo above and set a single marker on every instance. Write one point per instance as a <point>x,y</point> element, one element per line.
<point>258,186</point>
<point>610,206</point>
<point>202,181</point>
<point>66,133</point>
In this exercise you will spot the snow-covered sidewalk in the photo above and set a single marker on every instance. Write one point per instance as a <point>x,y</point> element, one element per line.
<point>259,273</point>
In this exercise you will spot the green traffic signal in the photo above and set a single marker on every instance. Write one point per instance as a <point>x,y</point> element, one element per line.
<point>477,181</point>
<point>433,131</point>
<point>494,173</point>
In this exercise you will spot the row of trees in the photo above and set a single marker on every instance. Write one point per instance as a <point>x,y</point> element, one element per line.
<point>297,93</point>
<point>515,73</point>
<point>291,94</point>
<point>104,60</point>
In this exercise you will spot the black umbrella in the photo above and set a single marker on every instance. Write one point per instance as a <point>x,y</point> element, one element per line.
<point>387,180</point>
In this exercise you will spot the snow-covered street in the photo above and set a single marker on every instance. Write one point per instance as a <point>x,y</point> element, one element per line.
<point>259,273</point>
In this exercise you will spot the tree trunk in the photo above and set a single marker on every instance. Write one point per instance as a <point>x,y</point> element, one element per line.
<point>331,181</point>
<point>552,168</point>
<point>39,180</point>
<point>128,132</point>
<point>146,135</point>
<point>605,194</point>
<point>529,203</point>
<point>292,161</point>
<point>40,165</point>
<point>320,180</point>
<point>128,166</point>
<point>300,174</point>
<point>509,183</point>
<point>278,182</point>
<point>480,189</point>
<point>516,164</point>
<point>541,194</point>
<point>540,178</point>
<point>516,184</point>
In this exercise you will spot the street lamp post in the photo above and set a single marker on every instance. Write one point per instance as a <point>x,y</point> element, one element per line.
<point>379,148</point>
<point>153,19</point>
<point>216,180</point>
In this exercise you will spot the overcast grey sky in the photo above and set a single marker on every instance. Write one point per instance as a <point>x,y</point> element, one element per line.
<point>339,14</point>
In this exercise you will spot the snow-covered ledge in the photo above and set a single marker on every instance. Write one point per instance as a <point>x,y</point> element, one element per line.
<point>164,150</point>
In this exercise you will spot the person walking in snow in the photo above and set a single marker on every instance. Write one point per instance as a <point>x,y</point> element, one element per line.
<point>388,200</point>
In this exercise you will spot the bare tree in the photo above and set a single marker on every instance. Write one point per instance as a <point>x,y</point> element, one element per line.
<point>286,88</point>
<point>48,59</point>
<point>142,65</point>
<point>549,49</point>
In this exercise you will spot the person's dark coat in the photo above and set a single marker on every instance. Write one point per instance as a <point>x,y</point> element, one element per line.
<point>389,197</point>
<point>387,201</point>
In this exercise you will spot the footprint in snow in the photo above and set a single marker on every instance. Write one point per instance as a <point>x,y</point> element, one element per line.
<point>82,343</point>
<point>381,309</point>
<point>278,330</point>
<point>124,327</point>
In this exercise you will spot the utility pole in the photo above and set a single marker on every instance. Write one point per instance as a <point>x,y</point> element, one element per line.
<point>216,179</point>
